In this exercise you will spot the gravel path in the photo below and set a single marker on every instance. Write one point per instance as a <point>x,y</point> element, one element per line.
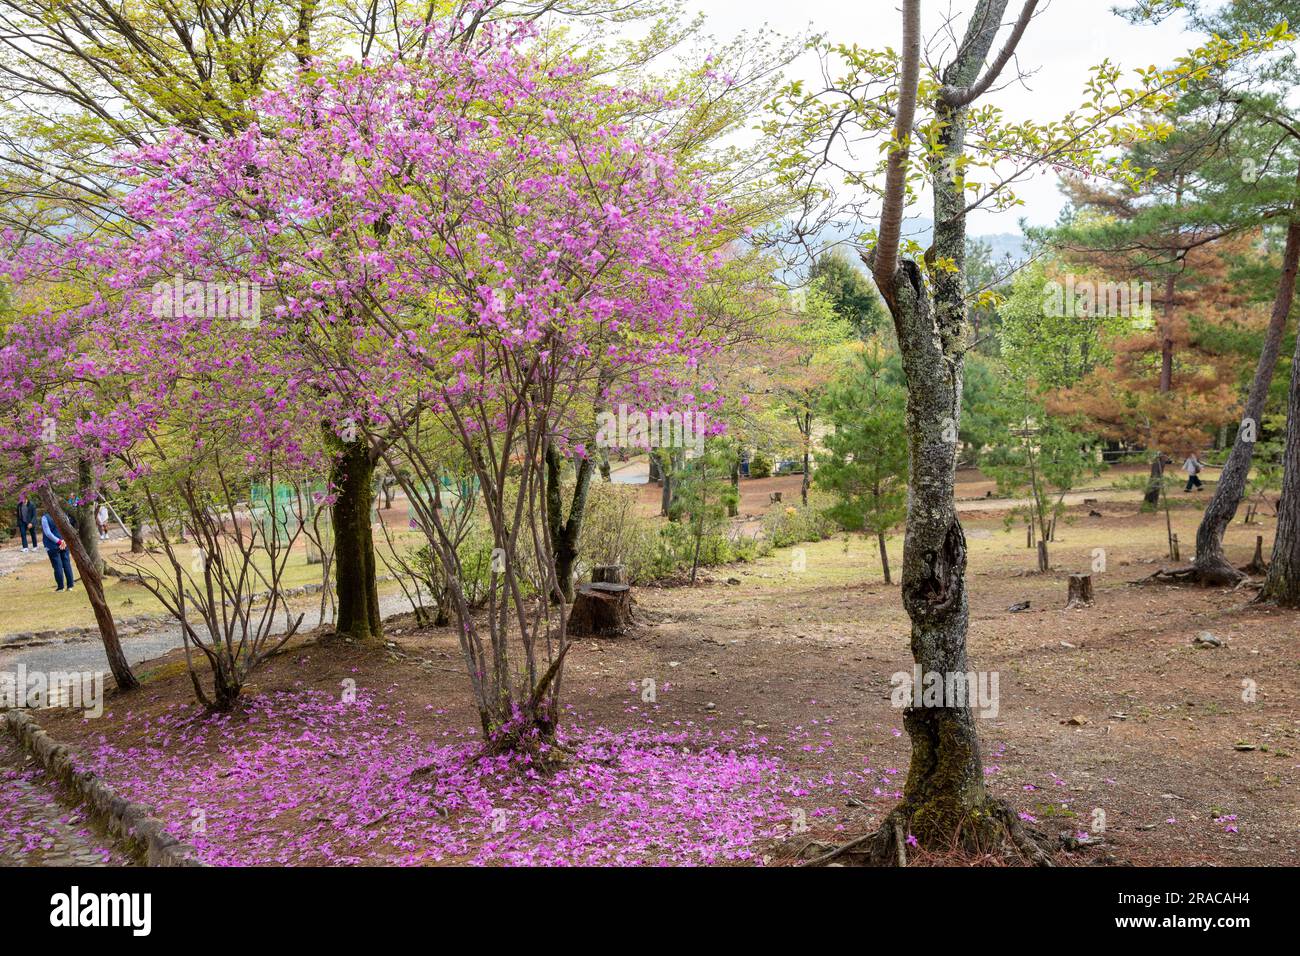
<point>36,827</point>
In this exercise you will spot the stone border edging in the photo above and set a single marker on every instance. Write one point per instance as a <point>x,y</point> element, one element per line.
<point>133,823</point>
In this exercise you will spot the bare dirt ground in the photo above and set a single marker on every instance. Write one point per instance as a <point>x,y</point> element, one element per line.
<point>1189,753</point>
<point>975,491</point>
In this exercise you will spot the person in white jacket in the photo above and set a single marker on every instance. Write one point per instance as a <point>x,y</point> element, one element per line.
<point>1193,467</point>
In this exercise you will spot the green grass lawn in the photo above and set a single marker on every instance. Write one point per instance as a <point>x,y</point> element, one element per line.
<point>28,601</point>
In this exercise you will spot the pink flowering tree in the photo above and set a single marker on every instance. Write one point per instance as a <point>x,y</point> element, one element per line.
<point>230,461</point>
<point>58,425</point>
<point>170,388</point>
<point>463,242</point>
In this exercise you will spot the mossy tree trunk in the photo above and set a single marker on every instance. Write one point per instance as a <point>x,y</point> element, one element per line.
<point>565,531</point>
<point>945,803</point>
<point>352,474</point>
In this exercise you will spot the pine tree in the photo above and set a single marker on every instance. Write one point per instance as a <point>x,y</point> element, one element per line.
<point>865,463</point>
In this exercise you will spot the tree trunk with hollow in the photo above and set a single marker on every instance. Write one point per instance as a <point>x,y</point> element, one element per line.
<point>945,803</point>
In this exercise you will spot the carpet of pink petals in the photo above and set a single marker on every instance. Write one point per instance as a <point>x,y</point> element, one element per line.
<point>304,778</point>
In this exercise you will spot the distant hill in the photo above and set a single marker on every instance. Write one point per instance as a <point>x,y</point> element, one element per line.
<point>920,229</point>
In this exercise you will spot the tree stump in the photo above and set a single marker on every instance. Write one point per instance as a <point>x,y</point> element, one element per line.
<point>1080,593</point>
<point>609,574</point>
<point>1257,564</point>
<point>601,610</point>
<point>774,498</point>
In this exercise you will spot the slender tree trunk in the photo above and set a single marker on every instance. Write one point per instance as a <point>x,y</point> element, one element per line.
<point>699,538</point>
<point>94,585</point>
<point>1167,338</point>
<point>137,530</point>
<point>884,557</point>
<point>945,803</point>
<point>565,532</point>
<point>1212,568</point>
<point>807,458</point>
<point>1154,482</point>
<point>733,504</point>
<point>666,498</point>
<point>945,781</point>
<point>87,529</point>
<point>352,475</point>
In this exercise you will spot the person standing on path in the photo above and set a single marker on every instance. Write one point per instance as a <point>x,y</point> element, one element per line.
<point>27,522</point>
<point>101,519</point>
<point>1193,467</point>
<point>57,551</point>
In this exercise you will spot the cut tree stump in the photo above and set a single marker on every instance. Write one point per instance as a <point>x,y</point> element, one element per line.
<point>1080,594</point>
<point>609,574</point>
<point>774,498</point>
<point>601,610</point>
<point>1257,564</point>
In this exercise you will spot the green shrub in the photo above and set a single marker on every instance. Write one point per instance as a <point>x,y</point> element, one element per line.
<point>760,466</point>
<point>615,532</point>
<point>795,524</point>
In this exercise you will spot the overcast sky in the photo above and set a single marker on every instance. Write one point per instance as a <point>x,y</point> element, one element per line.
<point>1065,39</point>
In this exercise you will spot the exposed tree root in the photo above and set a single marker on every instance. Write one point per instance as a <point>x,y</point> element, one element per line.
<point>1257,568</point>
<point>1217,575</point>
<point>995,828</point>
<point>534,742</point>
